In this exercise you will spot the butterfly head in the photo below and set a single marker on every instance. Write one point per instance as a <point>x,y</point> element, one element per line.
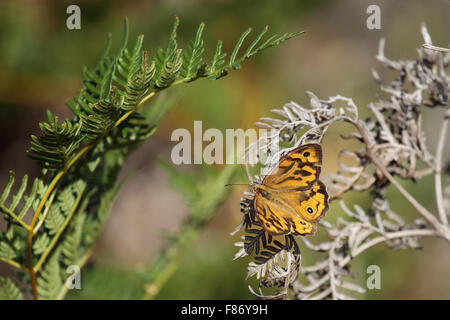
<point>262,191</point>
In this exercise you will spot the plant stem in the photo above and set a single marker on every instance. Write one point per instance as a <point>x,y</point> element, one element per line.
<point>14,264</point>
<point>14,216</point>
<point>438,171</point>
<point>388,236</point>
<point>443,230</point>
<point>429,46</point>
<point>59,233</point>
<point>31,232</point>
<point>422,210</point>
<point>46,211</point>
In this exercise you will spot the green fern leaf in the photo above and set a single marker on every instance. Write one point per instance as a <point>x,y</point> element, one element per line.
<point>101,119</point>
<point>55,148</point>
<point>40,244</point>
<point>9,290</point>
<point>49,282</point>
<point>168,62</point>
<point>136,60</point>
<point>92,80</point>
<point>106,87</point>
<point>136,129</point>
<point>215,69</point>
<point>15,219</point>
<point>112,91</point>
<point>54,220</point>
<point>30,198</point>
<point>7,189</point>
<point>244,35</point>
<point>139,76</point>
<point>66,198</point>
<point>72,242</point>
<point>6,251</point>
<point>192,63</point>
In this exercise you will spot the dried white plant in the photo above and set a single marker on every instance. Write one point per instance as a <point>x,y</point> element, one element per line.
<point>393,149</point>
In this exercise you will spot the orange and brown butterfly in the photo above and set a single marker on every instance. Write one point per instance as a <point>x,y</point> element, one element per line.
<point>291,198</point>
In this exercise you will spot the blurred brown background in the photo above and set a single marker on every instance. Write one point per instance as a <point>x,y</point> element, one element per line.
<point>40,67</point>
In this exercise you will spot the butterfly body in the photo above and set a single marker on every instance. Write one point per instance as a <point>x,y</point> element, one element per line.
<point>291,199</point>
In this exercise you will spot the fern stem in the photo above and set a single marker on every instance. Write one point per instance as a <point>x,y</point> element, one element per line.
<point>37,213</point>
<point>31,232</point>
<point>47,209</point>
<point>14,216</point>
<point>14,264</point>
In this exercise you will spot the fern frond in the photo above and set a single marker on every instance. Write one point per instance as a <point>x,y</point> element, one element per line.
<point>253,48</point>
<point>92,79</point>
<point>72,241</point>
<point>237,47</point>
<point>66,199</point>
<point>105,199</point>
<point>217,67</point>
<point>101,119</point>
<point>168,62</point>
<point>135,61</point>
<point>13,240</point>
<point>15,198</point>
<point>63,206</point>
<point>7,251</point>
<point>54,149</point>
<point>54,220</point>
<point>214,69</point>
<point>87,152</point>
<point>107,83</point>
<point>9,290</point>
<point>61,213</point>
<point>49,282</point>
<point>9,210</point>
<point>193,66</point>
<point>41,244</point>
<point>139,78</point>
<point>136,129</point>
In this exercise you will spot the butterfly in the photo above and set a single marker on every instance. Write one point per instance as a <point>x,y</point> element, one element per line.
<point>291,198</point>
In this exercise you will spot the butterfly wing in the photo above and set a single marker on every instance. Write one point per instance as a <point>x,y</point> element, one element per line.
<point>277,218</point>
<point>298,198</point>
<point>297,171</point>
<point>311,204</point>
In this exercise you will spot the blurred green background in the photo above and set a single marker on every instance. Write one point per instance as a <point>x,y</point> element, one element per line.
<point>40,67</point>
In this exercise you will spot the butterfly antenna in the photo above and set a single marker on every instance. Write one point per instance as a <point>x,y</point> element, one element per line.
<point>236,184</point>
